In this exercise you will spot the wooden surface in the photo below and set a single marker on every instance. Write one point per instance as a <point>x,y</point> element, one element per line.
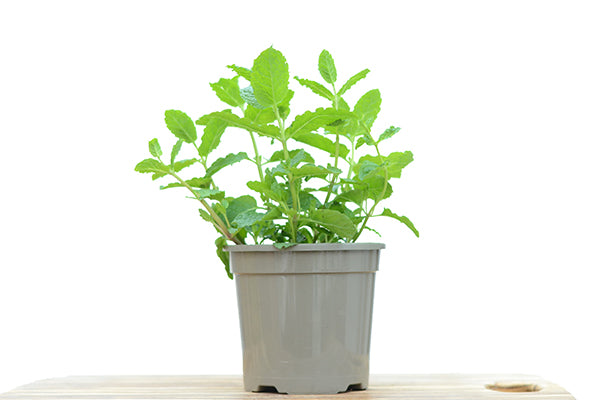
<point>403,387</point>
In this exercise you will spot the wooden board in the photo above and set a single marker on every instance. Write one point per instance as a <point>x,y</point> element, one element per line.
<point>201,387</point>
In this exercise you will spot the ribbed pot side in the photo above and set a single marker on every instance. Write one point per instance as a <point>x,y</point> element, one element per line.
<point>305,315</point>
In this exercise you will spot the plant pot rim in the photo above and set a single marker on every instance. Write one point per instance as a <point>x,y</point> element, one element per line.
<point>306,247</point>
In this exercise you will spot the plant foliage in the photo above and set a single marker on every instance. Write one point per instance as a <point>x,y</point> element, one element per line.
<point>293,199</point>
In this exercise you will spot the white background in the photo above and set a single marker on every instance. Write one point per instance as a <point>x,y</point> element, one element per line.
<point>102,273</point>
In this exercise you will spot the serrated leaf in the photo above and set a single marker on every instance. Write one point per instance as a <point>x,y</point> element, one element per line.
<point>212,135</point>
<point>247,218</point>
<point>335,222</point>
<point>223,162</point>
<point>247,94</point>
<point>327,67</point>
<point>375,187</point>
<point>259,115</point>
<point>244,123</point>
<point>241,71</point>
<point>240,205</point>
<point>322,143</point>
<point>356,196</point>
<point>316,88</point>
<point>296,156</point>
<point>228,90</point>
<point>179,165</point>
<point>366,169</point>
<point>307,201</point>
<point>265,189</point>
<point>368,106</point>
<point>213,194</point>
<point>352,81</point>
<point>308,170</point>
<point>270,78</point>
<point>311,121</point>
<point>150,165</point>
<point>221,243</point>
<point>194,182</point>
<point>154,148</point>
<point>181,125</point>
<point>388,213</point>
<point>396,161</point>
<point>205,215</point>
<point>175,150</point>
<point>388,133</point>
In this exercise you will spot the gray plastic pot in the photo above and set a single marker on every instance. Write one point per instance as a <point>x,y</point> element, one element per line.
<point>305,315</point>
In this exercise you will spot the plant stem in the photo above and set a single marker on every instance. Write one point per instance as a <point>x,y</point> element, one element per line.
<point>217,221</point>
<point>385,185</point>
<point>257,157</point>
<point>337,148</point>
<point>295,199</point>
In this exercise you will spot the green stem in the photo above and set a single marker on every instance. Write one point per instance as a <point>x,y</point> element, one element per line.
<point>295,199</point>
<point>337,148</point>
<point>217,221</point>
<point>379,198</point>
<point>257,157</point>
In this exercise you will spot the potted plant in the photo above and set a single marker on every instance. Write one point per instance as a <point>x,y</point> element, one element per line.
<point>304,284</point>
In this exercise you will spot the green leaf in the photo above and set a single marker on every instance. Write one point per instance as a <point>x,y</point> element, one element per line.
<point>322,143</point>
<point>247,94</point>
<point>307,201</point>
<point>181,125</point>
<point>259,115</point>
<point>270,191</point>
<point>179,165</point>
<point>368,106</point>
<point>221,243</point>
<point>244,123</point>
<point>241,71</point>
<point>334,221</point>
<point>228,91</point>
<point>388,213</point>
<point>327,67</point>
<point>240,205</point>
<point>298,156</point>
<point>247,218</point>
<point>194,182</point>
<point>388,133</point>
<point>356,196</point>
<point>310,121</point>
<point>396,161</point>
<point>365,139</point>
<point>285,245</point>
<point>366,169</point>
<point>175,150</point>
<point>308,170</point>
<point>205,215</point>
<point>375,187</point>
<point>150,165</point>
<point>316,88</point>
<point>270,78</point>
<point>154,148</point>
<point>213,194</point>
<point>352,81</point>
<point>223,162</point>
<point>212,135</point>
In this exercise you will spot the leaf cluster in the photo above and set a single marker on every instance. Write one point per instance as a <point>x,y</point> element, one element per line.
<point>294,198</point>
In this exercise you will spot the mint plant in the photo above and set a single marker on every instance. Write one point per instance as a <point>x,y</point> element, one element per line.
<point>294,199</point>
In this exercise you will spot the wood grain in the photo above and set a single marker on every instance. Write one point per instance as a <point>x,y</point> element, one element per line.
<point>201,387</point>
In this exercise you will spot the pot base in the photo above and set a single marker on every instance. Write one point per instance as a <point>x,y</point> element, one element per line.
<point>325,385</point>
